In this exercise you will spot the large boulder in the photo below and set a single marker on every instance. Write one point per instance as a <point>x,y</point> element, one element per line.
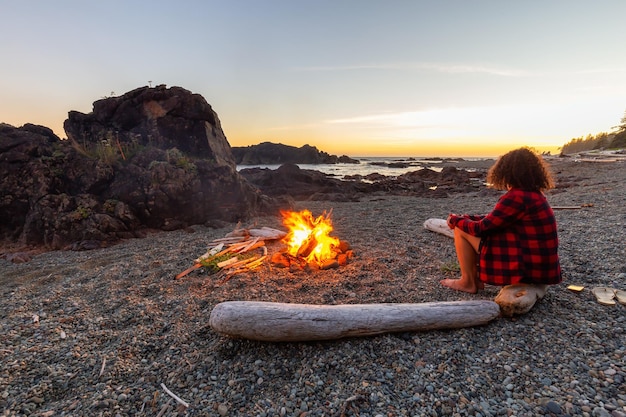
<point>155,117</point>
<point>140,161</point>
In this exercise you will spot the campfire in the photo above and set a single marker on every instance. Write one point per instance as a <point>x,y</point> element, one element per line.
<point>309,247</point>
<point>309,243</point>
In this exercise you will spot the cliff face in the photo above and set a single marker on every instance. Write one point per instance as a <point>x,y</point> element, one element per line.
<point>268,153</point>
<point>152,158</point>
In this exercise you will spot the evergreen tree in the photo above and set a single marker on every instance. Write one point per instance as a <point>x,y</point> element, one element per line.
<point>622,126</point>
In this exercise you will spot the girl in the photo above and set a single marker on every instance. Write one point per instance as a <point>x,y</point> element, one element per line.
<point>517,242</point>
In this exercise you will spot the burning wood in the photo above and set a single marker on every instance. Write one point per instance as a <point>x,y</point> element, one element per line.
<point>309,244</point>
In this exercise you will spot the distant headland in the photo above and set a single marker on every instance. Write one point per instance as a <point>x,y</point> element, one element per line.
<point>268,153</point>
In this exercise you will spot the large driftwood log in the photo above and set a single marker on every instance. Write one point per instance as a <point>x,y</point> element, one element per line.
<point>282,322</point>
<point>519,298</point>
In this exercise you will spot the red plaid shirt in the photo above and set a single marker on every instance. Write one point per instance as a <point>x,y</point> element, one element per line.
<point>519,241</point>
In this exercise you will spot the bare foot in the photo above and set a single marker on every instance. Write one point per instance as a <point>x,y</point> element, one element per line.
<point>459,285</point>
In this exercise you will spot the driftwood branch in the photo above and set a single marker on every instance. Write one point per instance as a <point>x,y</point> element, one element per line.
<point>104,363</point>
<point>349,403</point>
<point>174,396</point>
<point>187,271</point>
<point>268,321</point>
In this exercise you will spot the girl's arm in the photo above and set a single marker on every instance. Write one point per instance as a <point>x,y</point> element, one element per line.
<point>509,209</point>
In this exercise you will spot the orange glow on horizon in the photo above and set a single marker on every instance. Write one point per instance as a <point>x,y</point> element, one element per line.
<point>417,148</point>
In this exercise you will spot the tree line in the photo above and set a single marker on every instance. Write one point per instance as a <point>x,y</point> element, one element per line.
<point>614,140</point>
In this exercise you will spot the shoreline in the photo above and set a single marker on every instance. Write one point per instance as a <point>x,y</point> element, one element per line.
<point>112,325</point>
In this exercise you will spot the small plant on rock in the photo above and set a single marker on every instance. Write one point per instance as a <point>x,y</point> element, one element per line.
<point>81,213</point>
<point>176,157</point>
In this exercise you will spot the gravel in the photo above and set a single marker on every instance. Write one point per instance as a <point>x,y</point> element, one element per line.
<point>106,332</point>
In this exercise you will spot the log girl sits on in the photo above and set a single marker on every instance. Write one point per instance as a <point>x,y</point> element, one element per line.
<point>517,242</point>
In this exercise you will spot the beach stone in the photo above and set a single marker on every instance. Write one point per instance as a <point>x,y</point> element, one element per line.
<point>600,412</point>
<point>553,407</point>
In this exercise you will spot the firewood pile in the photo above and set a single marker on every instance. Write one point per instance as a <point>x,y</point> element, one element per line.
<point>309,247</point>
<point>241,250</point>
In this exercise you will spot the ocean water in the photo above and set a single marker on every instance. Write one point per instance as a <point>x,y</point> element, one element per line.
<point>388,166</point>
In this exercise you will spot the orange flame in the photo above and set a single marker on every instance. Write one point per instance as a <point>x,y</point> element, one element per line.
<point>308,237</point>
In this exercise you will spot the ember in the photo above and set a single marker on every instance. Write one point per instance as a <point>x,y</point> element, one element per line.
<point>309,242</point>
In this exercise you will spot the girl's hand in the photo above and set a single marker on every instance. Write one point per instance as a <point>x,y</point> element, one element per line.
<point>450,217</point>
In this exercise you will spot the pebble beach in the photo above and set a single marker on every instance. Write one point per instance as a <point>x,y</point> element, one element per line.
<point>109,332</point>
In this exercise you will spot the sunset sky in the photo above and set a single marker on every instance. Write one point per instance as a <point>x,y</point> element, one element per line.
<point>355,77</point>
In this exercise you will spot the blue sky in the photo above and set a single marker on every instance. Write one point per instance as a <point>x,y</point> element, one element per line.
<point>396,78</point>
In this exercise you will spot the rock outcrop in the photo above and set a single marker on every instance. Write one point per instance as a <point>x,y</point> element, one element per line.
<point>154,158</point>
<point>156,117</point>
<point>268,153</point>
<point>302,184</point>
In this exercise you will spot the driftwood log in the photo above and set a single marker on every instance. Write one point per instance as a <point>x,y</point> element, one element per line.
<point>284,322</point>
<point>519,298</point>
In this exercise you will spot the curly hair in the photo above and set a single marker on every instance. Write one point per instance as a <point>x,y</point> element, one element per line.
<point>521,168</point>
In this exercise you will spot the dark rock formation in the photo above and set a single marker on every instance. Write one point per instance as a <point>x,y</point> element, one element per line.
<point>302,184</point>
<point>153,158</point>
<point>268,153</point>
<point>157,117</point>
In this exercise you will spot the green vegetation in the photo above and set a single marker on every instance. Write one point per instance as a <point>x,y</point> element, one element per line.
<point>176,157</point>
<point>589,143</point>
<point>58,154</point>
<point>109,206</point>
<point>109,150</point>
<point>211,263</point>
<point>615,140</point>
<point>451,267</point>
<point>81,213</point>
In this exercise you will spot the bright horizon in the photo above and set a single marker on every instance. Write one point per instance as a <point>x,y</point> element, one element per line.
<point>357,78</point>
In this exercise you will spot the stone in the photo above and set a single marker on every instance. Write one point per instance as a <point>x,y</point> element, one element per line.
<point>553,407</point>
<point>279,260</point>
